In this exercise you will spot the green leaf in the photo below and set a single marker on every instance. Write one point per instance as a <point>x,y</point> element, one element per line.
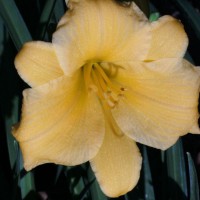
<point>2,36</point>
<point>148,183</point>
<point>77,180</point>
<point>190,14</point>
<point>59,9</point>
<point>154,16</point>
<point>19,34</point>
<point>14,22</point>
<point>95,190</point>
<point>84,191</point>
<point>9,122</point>
<point>26,180</point>
<point>46,16</point>
<point>59,170</point>
<point>176,169</point>
<point>194,186</point>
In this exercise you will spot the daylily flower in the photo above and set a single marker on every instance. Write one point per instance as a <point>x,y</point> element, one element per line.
<point>109,79</point>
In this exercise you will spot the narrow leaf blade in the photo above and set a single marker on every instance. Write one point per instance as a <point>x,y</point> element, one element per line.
<point>176,172</point>
<point>14,22</point>
<point>194,186</point>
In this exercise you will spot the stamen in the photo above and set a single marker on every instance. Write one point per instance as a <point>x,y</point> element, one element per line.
<point>106,79</point>
<point>98,81</point>
<point>101,81</point>
<point>111,103</point>
<point>87,77</point>
<point>117,131</point>
<point>114,97</point>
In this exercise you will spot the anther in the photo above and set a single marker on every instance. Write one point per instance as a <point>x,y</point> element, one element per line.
<point>93,88</point>
<point>111,103</point>
<point>123,89</point>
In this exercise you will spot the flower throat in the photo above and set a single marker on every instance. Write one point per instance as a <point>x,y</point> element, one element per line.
<point>97,79</point>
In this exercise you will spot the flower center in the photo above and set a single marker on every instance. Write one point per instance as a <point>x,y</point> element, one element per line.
<point>97,80</point>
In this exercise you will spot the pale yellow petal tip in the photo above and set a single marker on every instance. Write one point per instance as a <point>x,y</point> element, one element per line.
<point>195,129</point>
<point>31,161</point>
<point>20,59</point>
<point>30,164</point>
<point>113,192</point>
<point>117,192</point>
<point>29,167</point>
<point>168,145</point>
<point>37,64</point>
<point>165,19</point>
<point>172,47</point>
<point>20,56</point>
<point>179,26</point>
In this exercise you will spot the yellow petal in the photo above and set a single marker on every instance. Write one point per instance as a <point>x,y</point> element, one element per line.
<point>117,164</point>
<point>195,129</point>
<point>100,31</point>
<point>160,102</point>
<point>60,123</point>
<point>37,63</point>
<point>169,39</point>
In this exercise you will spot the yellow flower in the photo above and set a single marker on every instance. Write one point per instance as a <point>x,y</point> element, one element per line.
<point>109,78</point>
